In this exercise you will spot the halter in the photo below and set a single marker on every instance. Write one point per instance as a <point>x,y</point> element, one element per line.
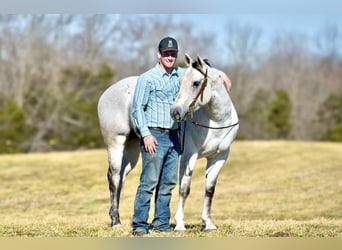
<point>200,93</point>
<point>191,111</point>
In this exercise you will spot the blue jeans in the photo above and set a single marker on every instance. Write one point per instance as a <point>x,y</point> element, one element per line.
<point>159,173</point>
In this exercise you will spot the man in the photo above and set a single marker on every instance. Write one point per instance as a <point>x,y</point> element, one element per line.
<point>155,93</point>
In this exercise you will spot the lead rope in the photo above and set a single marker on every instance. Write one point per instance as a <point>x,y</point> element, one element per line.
<point>181,136</point>
<point>205,126</point>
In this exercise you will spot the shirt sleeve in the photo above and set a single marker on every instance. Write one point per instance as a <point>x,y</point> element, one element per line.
<point>140,100</point>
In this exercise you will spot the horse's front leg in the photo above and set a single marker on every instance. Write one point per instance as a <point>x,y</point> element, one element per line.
<point>212,171</point>
<point>187,165</point>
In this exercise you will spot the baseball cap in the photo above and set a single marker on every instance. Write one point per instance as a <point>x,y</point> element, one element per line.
<point>168,44</point>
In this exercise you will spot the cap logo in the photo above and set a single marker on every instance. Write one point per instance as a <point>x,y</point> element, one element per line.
<point>170,45</point>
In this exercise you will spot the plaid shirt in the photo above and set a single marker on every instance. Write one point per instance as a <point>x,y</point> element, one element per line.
<point>154,95</point>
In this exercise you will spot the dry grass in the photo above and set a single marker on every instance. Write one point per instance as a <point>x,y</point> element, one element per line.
<point>269,188</point>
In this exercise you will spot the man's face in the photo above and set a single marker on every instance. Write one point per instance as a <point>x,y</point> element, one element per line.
<point>168,58</point>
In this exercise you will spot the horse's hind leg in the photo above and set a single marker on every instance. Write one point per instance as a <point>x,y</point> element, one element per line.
<point>123,154</point>
<point>115,154</point>
<point>130,156</point>
<point>213,169</point>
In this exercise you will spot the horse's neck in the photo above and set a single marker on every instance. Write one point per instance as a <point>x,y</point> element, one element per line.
<point>220,106</point>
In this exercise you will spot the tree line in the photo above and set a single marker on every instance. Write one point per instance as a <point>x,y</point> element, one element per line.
<point>53,69</point>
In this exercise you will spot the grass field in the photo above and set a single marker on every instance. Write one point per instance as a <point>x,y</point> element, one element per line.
<point>267,188</point>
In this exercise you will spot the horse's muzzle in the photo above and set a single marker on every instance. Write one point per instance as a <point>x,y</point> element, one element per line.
<point>178,114</point>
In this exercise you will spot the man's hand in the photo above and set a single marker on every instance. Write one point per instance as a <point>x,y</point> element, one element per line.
<point>150,143</point>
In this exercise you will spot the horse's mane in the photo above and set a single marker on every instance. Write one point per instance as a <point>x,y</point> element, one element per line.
<point>195,64</point>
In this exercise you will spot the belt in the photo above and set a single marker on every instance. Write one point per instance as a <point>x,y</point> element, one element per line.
<point>164,130</point>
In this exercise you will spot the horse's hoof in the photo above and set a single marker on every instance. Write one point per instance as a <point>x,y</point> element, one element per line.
<point>210,228</point>
<point>180,228</point>
<point>115,224</point>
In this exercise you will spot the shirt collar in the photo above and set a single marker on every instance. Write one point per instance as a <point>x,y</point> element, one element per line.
<point>164,73</point>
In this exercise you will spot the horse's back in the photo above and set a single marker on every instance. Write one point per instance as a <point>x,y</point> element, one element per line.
<point>114,108</point>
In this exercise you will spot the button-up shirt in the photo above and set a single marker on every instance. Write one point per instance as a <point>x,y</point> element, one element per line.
<point>155,93</point>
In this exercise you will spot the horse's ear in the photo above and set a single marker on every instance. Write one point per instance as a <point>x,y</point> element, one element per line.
<point>201,62</point>
<point>188,59</point>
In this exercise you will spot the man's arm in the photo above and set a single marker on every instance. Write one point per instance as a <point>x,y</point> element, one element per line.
<point>140,100</point>
<point>226,80</point>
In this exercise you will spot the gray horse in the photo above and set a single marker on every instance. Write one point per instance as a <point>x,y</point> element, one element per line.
<point>213,127</point>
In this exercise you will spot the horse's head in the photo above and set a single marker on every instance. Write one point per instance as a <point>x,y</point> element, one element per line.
<point>194,89</point>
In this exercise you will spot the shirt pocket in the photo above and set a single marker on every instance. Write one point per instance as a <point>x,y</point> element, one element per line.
<point>164,96</point>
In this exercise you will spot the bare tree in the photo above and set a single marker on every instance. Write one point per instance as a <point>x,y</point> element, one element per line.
<point>91,37</point>
<point>242,48</point>
<point>137,47</point>
<point>329,41</point>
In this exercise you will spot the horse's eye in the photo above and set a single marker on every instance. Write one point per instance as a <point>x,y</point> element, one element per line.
<point>196,83</point>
